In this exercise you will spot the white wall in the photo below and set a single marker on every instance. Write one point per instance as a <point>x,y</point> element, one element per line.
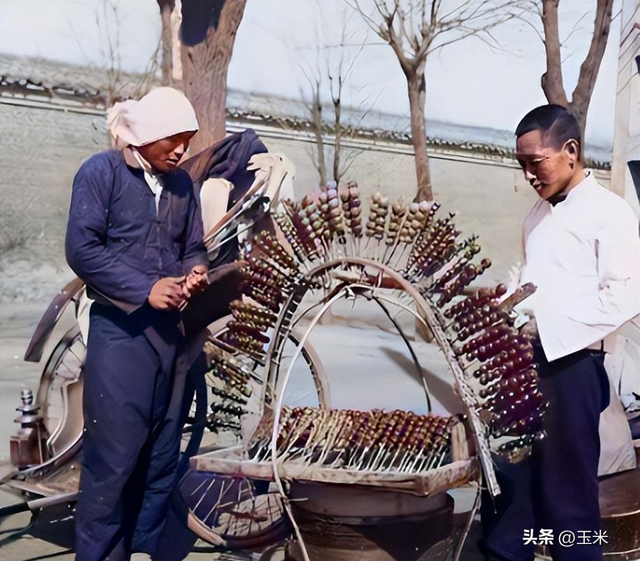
<point>47,146</point>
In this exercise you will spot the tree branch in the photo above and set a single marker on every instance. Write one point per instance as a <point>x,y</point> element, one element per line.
<point>591,65</point>
<point>576,27</point>
<point>524,19</point>
<point>551,81</point>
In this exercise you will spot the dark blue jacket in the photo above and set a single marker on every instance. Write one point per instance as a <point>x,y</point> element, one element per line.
<point>117,243</point>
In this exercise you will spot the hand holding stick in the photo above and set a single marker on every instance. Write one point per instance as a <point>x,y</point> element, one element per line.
<point>196,281</point>
<point>167,294</point>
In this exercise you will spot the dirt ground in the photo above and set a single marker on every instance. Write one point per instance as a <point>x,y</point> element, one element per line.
<point>366,362</point>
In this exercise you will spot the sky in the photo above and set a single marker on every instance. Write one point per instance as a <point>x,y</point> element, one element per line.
<point>281,41</point>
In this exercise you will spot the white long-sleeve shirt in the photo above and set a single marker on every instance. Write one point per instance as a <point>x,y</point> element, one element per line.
<point>583,254</point>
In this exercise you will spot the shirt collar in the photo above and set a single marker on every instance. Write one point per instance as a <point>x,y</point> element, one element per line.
<point>580,187</point>
<point>575,192</point>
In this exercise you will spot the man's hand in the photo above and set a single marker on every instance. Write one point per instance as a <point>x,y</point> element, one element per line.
<point>196,281</point>
<point>167,294</point>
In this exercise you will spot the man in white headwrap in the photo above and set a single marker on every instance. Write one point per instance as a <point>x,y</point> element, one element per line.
<point>135,237</point>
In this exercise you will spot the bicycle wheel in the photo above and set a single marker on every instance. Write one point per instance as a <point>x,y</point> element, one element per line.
<point>59,394</point>
<point>235,512</point>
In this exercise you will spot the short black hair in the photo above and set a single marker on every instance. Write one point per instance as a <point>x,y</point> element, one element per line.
<point>556,123</point>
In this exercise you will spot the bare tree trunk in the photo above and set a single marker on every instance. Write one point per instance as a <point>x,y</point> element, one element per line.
<point>411,28</point>
<point>204,74</point>
<point>552,84</point>
<point>166,9</point>
<point>551,81</point>
<point>417,96</point>
<point>580,113</point>
<point>316,121</point>
<point>337,133</point>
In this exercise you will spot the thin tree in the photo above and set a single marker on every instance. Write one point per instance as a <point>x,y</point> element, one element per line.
<point>108,24</point>
<point>314,108</point>
<point>208,34</point>
<point>338,77</point>
<point>117,84</point>
<point>415,29</point>
<point>330,75</point>
<point>166,65</point>
<point>331,157</point>
<point>552,81</point>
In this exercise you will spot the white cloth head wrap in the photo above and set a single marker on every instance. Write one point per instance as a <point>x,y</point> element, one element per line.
<point>161,113</point>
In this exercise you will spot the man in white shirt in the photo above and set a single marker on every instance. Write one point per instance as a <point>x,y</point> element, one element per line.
<point>581,250</point>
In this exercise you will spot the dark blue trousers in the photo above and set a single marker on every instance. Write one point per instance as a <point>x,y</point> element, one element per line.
<point>556,488</point>
<point>132,437</point>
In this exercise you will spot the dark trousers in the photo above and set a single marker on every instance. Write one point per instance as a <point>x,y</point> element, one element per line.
<point>556,488</point>
<point>130,444</point>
